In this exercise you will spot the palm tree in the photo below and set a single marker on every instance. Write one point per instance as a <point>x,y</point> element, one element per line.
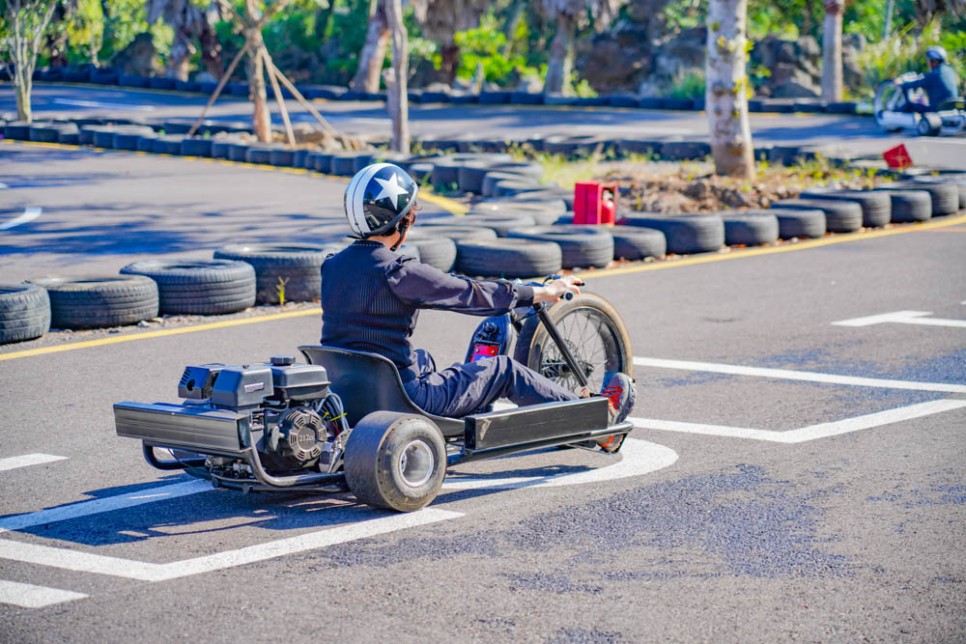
<point>189,23</point>
<point>569,16</point>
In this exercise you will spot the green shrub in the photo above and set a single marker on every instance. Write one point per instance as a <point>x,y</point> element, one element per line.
<point>691,85</point>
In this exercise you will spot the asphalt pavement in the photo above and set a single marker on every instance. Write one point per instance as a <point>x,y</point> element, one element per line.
<point>796,471</point>
<point>834,134</point>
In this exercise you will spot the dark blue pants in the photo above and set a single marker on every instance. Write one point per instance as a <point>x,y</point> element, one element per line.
<point>465,389</point>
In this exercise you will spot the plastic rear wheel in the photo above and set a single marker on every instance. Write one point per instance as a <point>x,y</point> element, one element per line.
<point>593,331</point>
<point>395,461</point>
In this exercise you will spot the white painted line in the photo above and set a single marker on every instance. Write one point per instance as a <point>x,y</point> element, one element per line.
<point>13,462</point>
<point>29,214</point>
<point>87,508</point>
<point>143,571</point>
<point>101,104</point>
<point>637,458</point>
<point>30,596</point>
<point>3,186</point>
<point>902,317</point>
<point>806,376</point>
<point>811,432</point>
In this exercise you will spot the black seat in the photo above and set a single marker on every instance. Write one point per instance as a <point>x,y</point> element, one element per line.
<point>368,382</point>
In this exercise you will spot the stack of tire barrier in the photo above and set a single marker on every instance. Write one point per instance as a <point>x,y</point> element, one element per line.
<point>199,287</point>
<point>24,312</point>
<point>99,301</point>
<point>282,271</point>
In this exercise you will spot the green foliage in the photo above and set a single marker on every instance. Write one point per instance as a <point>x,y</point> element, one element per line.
<point>692,85</point>
<point>85,32</point>
<point>486,46</point>
<point>905,51</point>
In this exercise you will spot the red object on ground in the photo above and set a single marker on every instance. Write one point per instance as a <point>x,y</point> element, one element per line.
<point>897,157</point>
<point>595,203</point>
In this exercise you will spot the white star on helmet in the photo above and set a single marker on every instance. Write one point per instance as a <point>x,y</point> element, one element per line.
<point>391,189</point>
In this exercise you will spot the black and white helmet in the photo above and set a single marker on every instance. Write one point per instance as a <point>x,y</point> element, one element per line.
<point>377,198</point>
<point>937,53</point>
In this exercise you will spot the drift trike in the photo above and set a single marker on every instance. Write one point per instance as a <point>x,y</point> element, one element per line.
<point>947,119</point>
<point>343,421</point>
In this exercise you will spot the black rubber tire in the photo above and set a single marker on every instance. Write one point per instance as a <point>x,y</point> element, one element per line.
<point>146,142</point>
<point>500,224</point>
<point>438,252</point>
<point>840,216</point>
<point>799,224</point>
<point>199,287</point>
<point>298,265</point>
<point>876,206</point>
<point>633,243</point>
<point>445,176</point>
<point>457,233</point>
<point>929,124</point>
<point>511,187</point>
<point>945,196</point>
<point>542,212</point>
<point>194,147</point>
<point>24,312</point>
<point>44,133</point>
<point>382,447</point>
<point>607,347</point>
<point>168,144</point>
<point>910,205</point>
<point>471,175</point>
<point>958,180</point>
<point>685,234</point>
<point>494,176</point>
<point>750,228</point>
<point>508,258</point>
<point>99,302</point>
<point>581,246</point>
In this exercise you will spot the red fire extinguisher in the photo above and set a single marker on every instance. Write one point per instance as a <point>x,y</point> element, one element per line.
<point>595,203</point>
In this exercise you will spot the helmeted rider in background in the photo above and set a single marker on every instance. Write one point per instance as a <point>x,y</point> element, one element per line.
<point>940,83</point>
<point>371,298</point>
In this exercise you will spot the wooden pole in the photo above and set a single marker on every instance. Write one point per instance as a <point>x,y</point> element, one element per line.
<point>301,99</point>
<point>270,68</point>
<point>219,87</point>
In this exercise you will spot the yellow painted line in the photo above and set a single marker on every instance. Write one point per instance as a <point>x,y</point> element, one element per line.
<point>161,333</point>
<point>745,253</point>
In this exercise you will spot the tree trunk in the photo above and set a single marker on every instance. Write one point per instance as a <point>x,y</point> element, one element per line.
<point>261,116</point>
<point>27,24</point>
<point>373,51</point>
<point>727,84</point>
<point>832,51</point>
<point>211,51</point>
<point>399,87</point>
<point>561,57</point>
<point>179,62</point>
<point>24,86</point>
<point>449,61</point>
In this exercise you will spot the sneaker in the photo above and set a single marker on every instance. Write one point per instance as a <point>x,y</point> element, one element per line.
<point>619,390</point>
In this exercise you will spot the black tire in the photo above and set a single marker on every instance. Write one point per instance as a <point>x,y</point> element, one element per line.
<point>581,246</point>
<point>445,176</point>
<point>471,175</point>
<point>511,187</point>
<point>196,147</point>
<point>958,180</point>
<point>542,212</point>
<point>500,224</point>
<point>876,206</point>
<point>438,252</point>
<point>594,332</point>
<point>24,312</point>
<point>929,124</point>
<point>750,228</point>
<point>44,133</point>
<point>945,196</point>
<point>299,266</point>
<point>494,176</point>
<point>99,302</point>
<point>799,224</point>
<point>168,144</point>
<point>395,461</point>
<point>633,243</point>
<point>685,234</point>
<point>910,205</point>
<point>508,258</point>
<point>457,233</point>
<point>840,216</point>
<point>199,287</point>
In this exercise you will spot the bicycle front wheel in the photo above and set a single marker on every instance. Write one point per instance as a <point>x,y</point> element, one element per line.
<point>592,330</point>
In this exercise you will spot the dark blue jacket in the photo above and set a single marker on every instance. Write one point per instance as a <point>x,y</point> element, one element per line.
<point>371,299</point>
<point>941,84</point>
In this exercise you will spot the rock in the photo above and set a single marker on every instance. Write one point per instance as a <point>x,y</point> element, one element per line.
<point>139,57</point>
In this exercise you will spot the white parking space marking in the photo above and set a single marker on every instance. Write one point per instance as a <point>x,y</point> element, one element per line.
<point>14,462</point>
<point>29,214</point>
<point>806,376</point>
<point>143,571</point>
<point>811,432</point>
<point>639,457</point>
<point>902,317</point>
<point>30,596</point>
<point>108,504</point>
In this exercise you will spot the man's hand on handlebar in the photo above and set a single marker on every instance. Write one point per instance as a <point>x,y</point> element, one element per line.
<point>558,288</point>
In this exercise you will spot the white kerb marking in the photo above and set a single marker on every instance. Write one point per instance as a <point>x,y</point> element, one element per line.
<point>637,458</point>
<point>29,214</point>
<point>902,317</point>
<point>143,571</point>
<point>14,462</point>
<point>30,596</point>
<point>811,432</point>
<point>806,376</point>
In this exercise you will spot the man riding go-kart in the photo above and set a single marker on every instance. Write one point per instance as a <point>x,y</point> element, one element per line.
<point>929,103</point>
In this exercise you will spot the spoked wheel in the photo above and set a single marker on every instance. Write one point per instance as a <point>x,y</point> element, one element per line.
<point>593,331</point>
<point>886,96</point>
<point>395,461</point>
